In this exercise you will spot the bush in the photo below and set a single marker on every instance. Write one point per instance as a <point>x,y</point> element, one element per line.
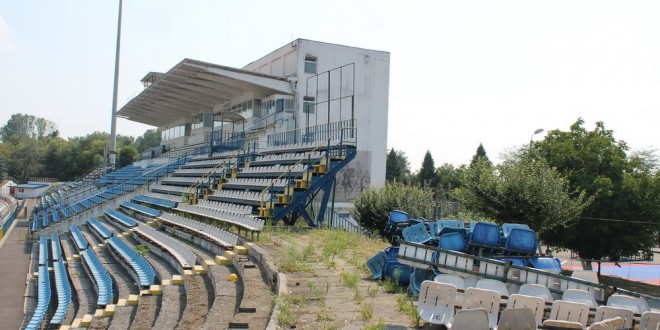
<point>372,207</point>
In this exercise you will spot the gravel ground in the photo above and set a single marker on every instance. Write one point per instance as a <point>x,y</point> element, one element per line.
<point>222,302</point>
<point>169,313</point>
<point>147,308</point>
<point>197,305</point>
<point>83,286</point>
<point>256,295</point>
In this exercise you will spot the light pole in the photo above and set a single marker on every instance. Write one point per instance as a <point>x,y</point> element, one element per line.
<point>113,120</point>
<point>531,138</point>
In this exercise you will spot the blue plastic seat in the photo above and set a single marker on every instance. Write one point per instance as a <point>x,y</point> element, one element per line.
<point>522,239</point>
<point>485,234</point>
<point>515,261</point>
<point>393,268</point>
<point>376,264</point>
<point>416,233</point>
<point>546,263</point>
<point>453,241</point>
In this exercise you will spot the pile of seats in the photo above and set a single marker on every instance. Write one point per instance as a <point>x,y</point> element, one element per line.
<point>448,300</point>
<point>514,243</point>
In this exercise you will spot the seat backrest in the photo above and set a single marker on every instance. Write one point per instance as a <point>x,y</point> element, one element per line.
<point>485,233</point>
<point>397,216</point>
<point>452,279</point>
<point>535,304</point>
<point>570,311</point>
<point>614,323</point>
<point>622,301</point>
<point>546,263</point>
<point>608,312</point>
<point>436,302</point>
<point>587,275</point>
<point>453,241</point>
<point>649,321</point>
<point>376,264</point>
<point>495,285</point>
<point>517,318</point>
<point>482,298</point>
<point>507,227</point>
<point>580,296</point>
<point>536,290</point>
<point>473,319</point>
<point>522,239</point>
<point>416,233</point>
<point>450,223</point>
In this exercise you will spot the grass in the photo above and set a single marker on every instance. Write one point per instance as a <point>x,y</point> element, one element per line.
<point>350,280</point>
<point>378,326</point>
<point>408,308</point>
<point>288,306</point>
<point>366,312</point>
<point>391,284</point>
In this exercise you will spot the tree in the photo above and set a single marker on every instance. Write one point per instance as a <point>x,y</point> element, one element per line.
<point>480,155</point>
<point>127,155</point>
<point>426,175</point>
<point>623,218</point>
<point>21,126</point>
<point>26,160</point>
<point>397,167</point>
<point>150,139</point>
<point>522,190</point>
<point>372,207</point>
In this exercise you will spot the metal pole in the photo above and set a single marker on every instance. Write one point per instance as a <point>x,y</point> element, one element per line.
<point>113,123</point>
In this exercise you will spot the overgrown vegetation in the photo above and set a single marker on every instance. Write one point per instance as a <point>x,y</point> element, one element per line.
<point>373,206</point>
<point>32,147</point>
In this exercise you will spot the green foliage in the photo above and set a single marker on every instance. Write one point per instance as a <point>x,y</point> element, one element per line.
<point>150,139</point>
<point>32,148</point>
<point>521,190</point>
<point>373,206</point>
<point>20,127</point>
<point>142,250</point>
<point>622,187</point>
<point>397,167</point>
<point>426,176</point>
<point>480,155</point>
<point>127,155</point>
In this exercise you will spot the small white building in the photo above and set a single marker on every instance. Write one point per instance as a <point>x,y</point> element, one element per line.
<point>315,89</point>
<point>28,190</point>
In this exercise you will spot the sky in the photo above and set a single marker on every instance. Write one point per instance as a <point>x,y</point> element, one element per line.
<point>461,72</point>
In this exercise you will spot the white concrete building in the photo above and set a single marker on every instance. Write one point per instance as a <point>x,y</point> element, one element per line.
<point>298,92</point>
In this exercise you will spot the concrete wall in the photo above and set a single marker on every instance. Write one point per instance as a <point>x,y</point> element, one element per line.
<point>370,90</point>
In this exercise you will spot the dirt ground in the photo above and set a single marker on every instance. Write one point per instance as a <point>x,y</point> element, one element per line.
<point>329,286</point>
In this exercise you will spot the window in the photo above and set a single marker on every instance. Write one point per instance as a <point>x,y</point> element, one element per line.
<point>310,64</point>
<point>308,104</point>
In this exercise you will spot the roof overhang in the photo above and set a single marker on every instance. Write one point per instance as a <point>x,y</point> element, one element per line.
<point>193,87</point>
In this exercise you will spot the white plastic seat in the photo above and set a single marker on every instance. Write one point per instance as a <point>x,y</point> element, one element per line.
<point>471,319</point>
<point>580,296</point>
<point>608,312</point>
<point>535,304</point>
<point>536,290</point>
<point>483,298</point>
<point>632,303</point>
<point>517,318</point>
<point>455,280</point>
<point>568,314</point>
<point>615,323</point>
<point>495,285</point>
<point>649,321</point>
<point>436,302</point>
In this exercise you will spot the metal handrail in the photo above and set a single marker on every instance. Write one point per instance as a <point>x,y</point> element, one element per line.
<point>288,173</point>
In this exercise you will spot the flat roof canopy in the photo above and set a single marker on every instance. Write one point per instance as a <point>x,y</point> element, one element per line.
<point>193,87</point>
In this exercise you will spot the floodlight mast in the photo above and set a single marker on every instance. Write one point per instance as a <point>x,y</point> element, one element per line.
<point>113,122</point>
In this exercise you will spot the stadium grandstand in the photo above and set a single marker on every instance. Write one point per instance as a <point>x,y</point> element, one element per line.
<point>276,142</point>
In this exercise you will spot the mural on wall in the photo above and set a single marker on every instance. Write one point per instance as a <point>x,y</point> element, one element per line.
<point>354,178</point>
